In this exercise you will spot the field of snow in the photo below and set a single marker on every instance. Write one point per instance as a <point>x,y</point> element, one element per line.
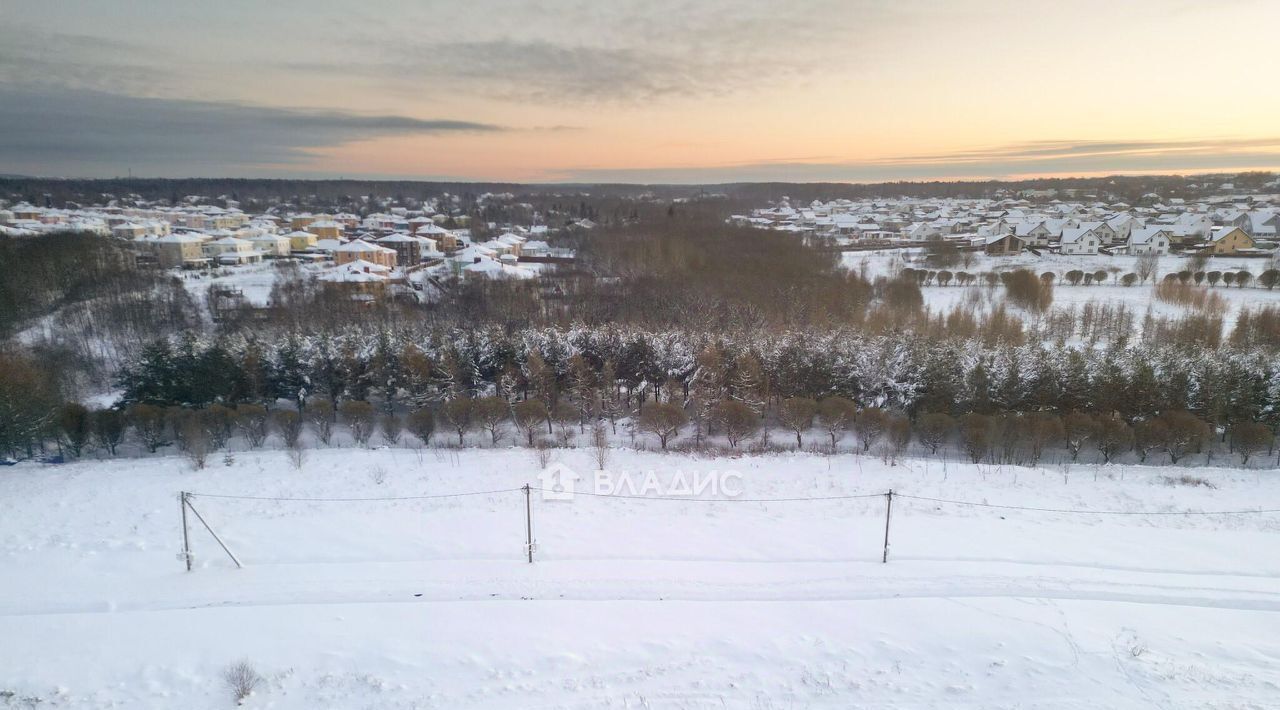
<point>1138,298</point>
<point>426,603</point>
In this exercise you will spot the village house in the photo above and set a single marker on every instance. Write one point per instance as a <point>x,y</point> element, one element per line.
<point>1228,240</point>
<point>178,250</point>
<point>300,240</point>
<point>1079,240</point>
<point>408,248</point>
<point>358,249</point>
<point>325,229</point>
<point>1003,245</point>
<point>271,245</point>
<point>1148,240</point>
<point>232,250</point>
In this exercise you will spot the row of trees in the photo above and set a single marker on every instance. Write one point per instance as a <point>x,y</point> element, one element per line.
<point>623,368</point>
<point>1021,438</point>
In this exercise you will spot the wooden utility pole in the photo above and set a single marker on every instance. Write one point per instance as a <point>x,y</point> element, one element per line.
<point>186,537</point>
<point>528,522</point>
<point>888,511</point>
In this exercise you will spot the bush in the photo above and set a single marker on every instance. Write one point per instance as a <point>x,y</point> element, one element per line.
<point>977,435</point>
<point>1187,433</point>
<point>870,423</point>
<point>74,427</point>
<point>422,424</point>
<point>242,680</point>
<point>1024,289</point>
<point>1113,437</point>
<point>321,415</point>
<point>662,419</point>
<point>836,414</point>
<point>933,429</point>
<point>797,415</point>
<point>358,415</point>
<point>737,420</point>
<point>528,416</point>
<point>1248,438</point>
<point>289,424</point>
<point>491,412</point>
<point>253,421</point>
<point>392,428</point>
<point>151,424</point>
<point>109,426</point>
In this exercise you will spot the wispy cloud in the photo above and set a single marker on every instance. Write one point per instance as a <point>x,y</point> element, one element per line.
<point>66,131</point>
<point>613,52</point>
<point>1058,157</point>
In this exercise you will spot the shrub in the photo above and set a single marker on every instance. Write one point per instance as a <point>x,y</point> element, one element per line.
<point>797,415</point>
<point>1024,289</point>
<point>74,427</point>
<point>1248,438</point>
<point>422,423</point>
<point>933,429</point>
<point>242,680</point>
<point>528,416</point>
<point>289,424</point>
<point>359,417</point>
<point>151,425</point>
<point>836,414</point>
<point>321,416</point>
<point>977,435</point>
<point>870,423</point>
<point>491,412</point>
<point>392,428</point>
<point>737,420</point>
<point>109,426</point>
<point>253,421</point>
<point>662,419</point>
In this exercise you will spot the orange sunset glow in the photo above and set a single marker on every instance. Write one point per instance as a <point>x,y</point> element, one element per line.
<point>655,92</point>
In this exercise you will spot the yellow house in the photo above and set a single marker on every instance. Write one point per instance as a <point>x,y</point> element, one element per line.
<point>300,240</point>
<point>325,229</point>
<point>1229,240</point>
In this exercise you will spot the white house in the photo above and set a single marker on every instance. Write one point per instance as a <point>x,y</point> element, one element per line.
<point>1148,240</point>
<point>1079,240</point>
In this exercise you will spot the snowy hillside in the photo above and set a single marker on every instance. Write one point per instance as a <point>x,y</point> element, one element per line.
<point>749,601</point>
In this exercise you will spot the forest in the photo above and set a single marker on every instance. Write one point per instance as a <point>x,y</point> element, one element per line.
<point>673,324</point>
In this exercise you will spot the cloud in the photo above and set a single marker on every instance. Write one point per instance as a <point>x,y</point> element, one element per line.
<point>78,132</point>
<point>1056,157</point>
<point>29,55</point>
<point>613,52</point>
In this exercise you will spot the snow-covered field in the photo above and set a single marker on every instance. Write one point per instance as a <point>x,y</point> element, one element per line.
<point>631,603</point>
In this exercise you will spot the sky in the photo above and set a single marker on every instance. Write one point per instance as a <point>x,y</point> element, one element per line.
<point>670,91</point>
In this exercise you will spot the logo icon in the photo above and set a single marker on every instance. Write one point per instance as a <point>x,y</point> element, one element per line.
<point>557,482</point>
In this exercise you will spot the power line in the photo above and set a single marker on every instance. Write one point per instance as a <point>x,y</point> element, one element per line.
<point>690,499</point>
<point>354,500</point>
<point>1083,511</point>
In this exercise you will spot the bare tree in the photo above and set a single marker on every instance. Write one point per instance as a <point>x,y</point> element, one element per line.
<point>870,424</point>
<point>422,423</point>
<point>663,420</point>
<point>491,412</point>
<point>359,418</point>
<point>528,416</point>
<point>1147,267</point>
<point>797,415</point>
<point>253,422</point>
<point>836,414</point>
<point>289,424</point>
<point>933,429</point>
<point>737,420</point>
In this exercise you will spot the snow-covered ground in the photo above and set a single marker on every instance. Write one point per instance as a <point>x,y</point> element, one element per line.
<point>1139,298</point>
<point>634,603</point>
